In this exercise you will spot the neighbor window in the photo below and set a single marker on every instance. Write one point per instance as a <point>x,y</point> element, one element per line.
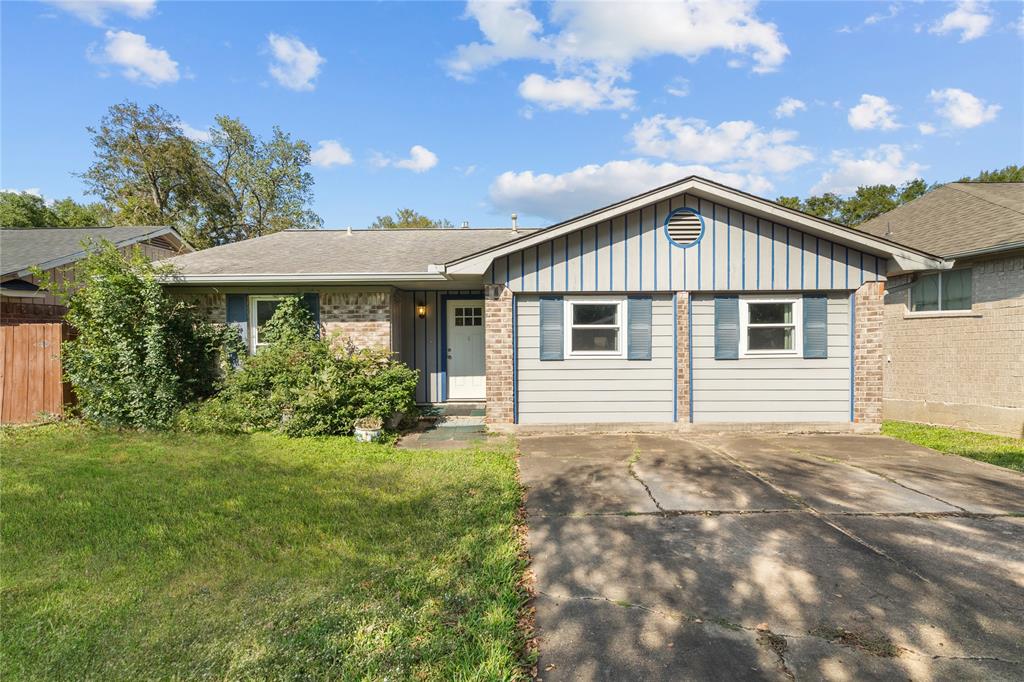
<point>261,309</point>
<point>595,327</point>
<point>941,291</point>
<point>770,326</point>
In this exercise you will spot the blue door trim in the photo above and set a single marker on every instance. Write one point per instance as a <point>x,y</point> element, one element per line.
<point>443,316</point>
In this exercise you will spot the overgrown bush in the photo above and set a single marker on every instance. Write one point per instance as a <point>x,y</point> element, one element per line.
<point>305,386</point>
<point>137,355</point>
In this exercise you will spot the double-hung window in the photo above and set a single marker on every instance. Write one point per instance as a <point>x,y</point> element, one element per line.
<point>261,309</point>
<point>595,327</point>
<point>950,290</point>
<point>770,326</point>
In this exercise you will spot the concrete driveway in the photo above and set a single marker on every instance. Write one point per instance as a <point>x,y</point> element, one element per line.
<point>772,557</point>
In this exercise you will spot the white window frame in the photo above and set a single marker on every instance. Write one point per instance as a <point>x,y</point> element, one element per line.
<point>797,324</point>
<point>621,313</point>
<point>254,343</point>
<point>938,274</point>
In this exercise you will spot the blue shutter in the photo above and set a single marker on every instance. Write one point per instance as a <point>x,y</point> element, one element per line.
<point>311,302</point>
<point>639,328</point>
<point>727,328</point>
<point>815,327</point>
<point>238,317</point>
<point>552,335</point>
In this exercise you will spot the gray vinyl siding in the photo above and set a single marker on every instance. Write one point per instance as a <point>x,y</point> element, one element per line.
<point>771,389</point>
<point>594,390</point>
<point>419,341</point>
<point>737,252</point>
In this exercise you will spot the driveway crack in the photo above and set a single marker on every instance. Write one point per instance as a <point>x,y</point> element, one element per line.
<point>632,472</point>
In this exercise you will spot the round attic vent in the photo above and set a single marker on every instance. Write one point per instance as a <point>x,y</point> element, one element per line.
<point>684,227</point>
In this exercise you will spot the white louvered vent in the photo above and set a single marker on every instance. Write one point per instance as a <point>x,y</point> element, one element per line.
<point>684,227</point>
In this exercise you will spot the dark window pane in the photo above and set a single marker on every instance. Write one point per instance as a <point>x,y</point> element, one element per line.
<point>770,338</point>
<point>595,339</point>
<point>924,294</point>
<point>594,313</point>
<point>956,290</point>
<point>265,311</point>
<point>771,313</point>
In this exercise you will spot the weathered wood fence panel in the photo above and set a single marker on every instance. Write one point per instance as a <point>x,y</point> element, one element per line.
<point>30,371</point>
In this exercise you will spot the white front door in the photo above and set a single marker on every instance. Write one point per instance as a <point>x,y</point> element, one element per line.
<point>465,350</point>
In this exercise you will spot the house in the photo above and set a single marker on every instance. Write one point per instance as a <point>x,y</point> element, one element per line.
<point>31,319</point>
<point>690,304</point>
<point>954,337</point>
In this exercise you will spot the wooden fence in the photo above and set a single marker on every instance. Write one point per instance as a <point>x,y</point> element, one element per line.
<point>30,371</point>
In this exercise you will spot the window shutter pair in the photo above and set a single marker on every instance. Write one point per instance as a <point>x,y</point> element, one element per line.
<point>639,310</point>
<point>727,327</point>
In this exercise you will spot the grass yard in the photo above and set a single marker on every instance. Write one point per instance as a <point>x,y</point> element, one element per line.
<point>142,556</point>
<point>1002,451</point>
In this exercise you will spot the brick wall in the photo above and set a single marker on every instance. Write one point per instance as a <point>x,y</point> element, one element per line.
<point>498,353</point>
<point>12,312</point>
<point>683,356</point>
<point>362,318</point>
<point>210,307</point>
<point>965,371</point>
<point>868,353</point>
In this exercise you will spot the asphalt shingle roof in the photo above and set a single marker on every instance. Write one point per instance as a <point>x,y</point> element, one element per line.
<point>314,252</point>
<point>21,248</point>
<point>957,218</point>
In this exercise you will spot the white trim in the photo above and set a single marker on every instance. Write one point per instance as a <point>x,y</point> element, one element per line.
<point>797,324</point>
<point>621,312</point>
<point>254,330</point>
<point>925,314</point>
<point>288,278</point>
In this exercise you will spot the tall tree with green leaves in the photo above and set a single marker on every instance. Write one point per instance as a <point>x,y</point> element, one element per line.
<point>1008,174</point>
<point>20,209</point>
<point>407,218</point>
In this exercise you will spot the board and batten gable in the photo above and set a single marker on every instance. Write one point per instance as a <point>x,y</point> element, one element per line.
<point>595,390</point>
<point>736,252</point>
<point>770,389</point>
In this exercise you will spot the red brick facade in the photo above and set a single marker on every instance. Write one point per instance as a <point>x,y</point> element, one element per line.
<point>498,351</point>
<point>14,313</point>
<point>869,312</point>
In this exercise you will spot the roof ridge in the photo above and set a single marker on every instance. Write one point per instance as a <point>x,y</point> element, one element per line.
<point>987,200</point>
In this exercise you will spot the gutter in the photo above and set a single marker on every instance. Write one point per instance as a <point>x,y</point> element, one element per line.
<point>289,278</point>
<point>987,250</point>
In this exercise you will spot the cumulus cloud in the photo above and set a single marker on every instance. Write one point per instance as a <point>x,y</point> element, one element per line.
<point>576,93</point>
<point>739,145</point>
<point>873,113</point>
<point>789,106</point>
<point>420,160</point>
<point>883,165</point>
<point>197,134</point>
<point>962,109</point>
<point>295,64</point>
<point>563,195</point>
<point>971,18</point>
<point>138,60</point>
<point>95,11</point>
<point>330,153</point>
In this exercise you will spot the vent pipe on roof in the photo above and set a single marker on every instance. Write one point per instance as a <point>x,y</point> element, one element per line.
<point>465,224</point>
<point>348,230</point>
<point>515,222</point>
<point>888,229</point>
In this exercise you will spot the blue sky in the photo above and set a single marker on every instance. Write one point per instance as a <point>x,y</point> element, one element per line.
<point>472,111</point>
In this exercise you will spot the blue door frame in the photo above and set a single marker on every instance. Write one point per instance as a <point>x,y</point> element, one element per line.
<point>443,317</point>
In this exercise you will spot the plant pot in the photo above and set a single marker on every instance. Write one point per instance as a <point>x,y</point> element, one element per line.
<point>367,435</point>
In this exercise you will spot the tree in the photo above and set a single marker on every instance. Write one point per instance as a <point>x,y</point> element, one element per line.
<point>70,213</point>
<point>21,209</point>
<point>1008,174</point>
<point>406,218</point>
<point>865,203</point>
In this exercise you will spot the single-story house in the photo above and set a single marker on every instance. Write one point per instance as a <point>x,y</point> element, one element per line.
<point>690,304</point>
<point>954,337</point>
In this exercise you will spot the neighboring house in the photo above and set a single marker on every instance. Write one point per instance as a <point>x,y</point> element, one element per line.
<point>954,337</point>
<point>31,320</point>
<point>691,303</point>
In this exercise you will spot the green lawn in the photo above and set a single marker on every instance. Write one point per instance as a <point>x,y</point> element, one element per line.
<point>1003,451</point>
<point>130,556</point>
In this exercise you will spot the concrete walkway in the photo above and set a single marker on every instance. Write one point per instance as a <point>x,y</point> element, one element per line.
<point>772,557</point>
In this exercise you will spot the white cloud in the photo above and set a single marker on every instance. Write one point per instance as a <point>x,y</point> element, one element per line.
<point>139,61</point>
<point>971,18</point>
<point>567,194</point>
<point>197,134</point>
<point>420,160</point>
<point>34,191</point>
<point>883,165</point>
<point>678,87</point>
<point>576,93</point>
<point>330,153</point>
<point>789,106</point>
<point>891,12</point>
<point>926,128</point>
<point>95,11</point>
<point>740,145</point>
<point>295,65</point>
<point>962,109</point>
<point>872,113</point>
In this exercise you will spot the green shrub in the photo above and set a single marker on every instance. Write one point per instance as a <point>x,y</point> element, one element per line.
<point>137,355</point>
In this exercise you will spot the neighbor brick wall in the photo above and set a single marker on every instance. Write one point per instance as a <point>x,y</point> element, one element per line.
<point>965,371</point>
<point>868,353</point>
<point>362,318</point>
<point>498,353</point>
<point>12,312</point>
<point>683,356</point>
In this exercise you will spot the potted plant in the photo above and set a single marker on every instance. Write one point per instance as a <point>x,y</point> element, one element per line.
<point>368,429</point>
